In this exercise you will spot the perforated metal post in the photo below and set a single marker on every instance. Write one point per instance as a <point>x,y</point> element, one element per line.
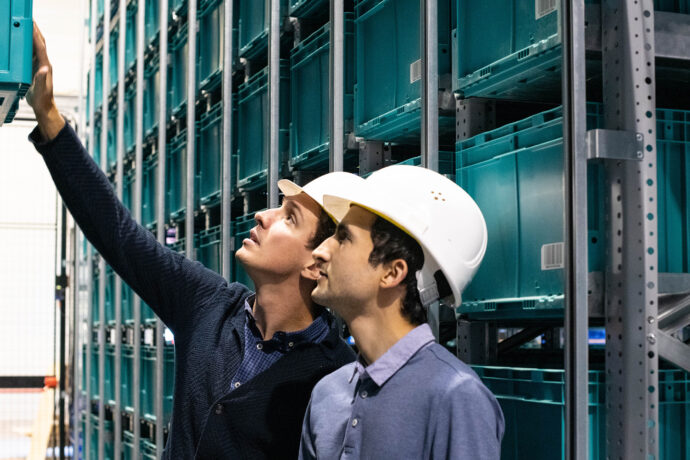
<point>226,199</point>
<point>336,85</point>
<point>631,278</point>
<point>576,267</point>
<point>274,103</point>
<point>160,184</point>
<point>428,33</point>
<point>138,178</point>
<point>117,419</point>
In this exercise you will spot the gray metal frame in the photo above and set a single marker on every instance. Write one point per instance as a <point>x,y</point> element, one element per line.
<point>226,197</point>
<point>336,85</point>
<point>631,276</point>
<point>274,103</point>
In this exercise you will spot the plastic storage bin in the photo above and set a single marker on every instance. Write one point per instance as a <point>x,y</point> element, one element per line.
<point>308,8</point>
<point>252,126</point>
<point>446,163</point>
<point>130,115</point>
<point>98,91</point>
<point>211,35</point>
<point>309,96</point>
<point>112,139</point>
<point>176,183</point>
<point>131,37</point>
<point>109,375</point>
<point>152,15</point>
<point>533,405</point>
<point>254,18</point>
<point>388,69</point>
<point>126,378</point>
<point>149,202</point>
<point>210,155</point>
<point>519,55</point>
<point>179,60</point>
<point>148,382</point>
<point>109,295</point>
<point>16,51</point>
<point>240,230</point>
<point>209,248</point>
<point>112,67</point>
<point>96,147</point>
<point>108,437</point>
<point>178,7</point>
<point>95,295</point>
<point>95,360</point>
<point>151,95</point>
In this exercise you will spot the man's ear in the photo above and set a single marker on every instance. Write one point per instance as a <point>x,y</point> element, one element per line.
<point>394,273</point>
<point>311,271</point>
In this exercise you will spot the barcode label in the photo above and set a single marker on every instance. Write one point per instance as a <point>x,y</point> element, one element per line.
<point>552,256</point>
<point>416,71</point>
<point>543,7</point>
<point>148,337</point>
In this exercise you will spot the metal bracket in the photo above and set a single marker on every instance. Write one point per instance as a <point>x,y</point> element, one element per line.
<point>609,144</point>
<point>674,312</point>
<point>473,116</point>
<point>672,350</point>
<point>372,156</point>
<point>476,342</point>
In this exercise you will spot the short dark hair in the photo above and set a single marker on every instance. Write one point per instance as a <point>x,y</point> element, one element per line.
<point>391,243</point>
<point>325,227</point>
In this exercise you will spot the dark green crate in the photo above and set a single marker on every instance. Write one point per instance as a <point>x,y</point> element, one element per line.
<point>252,126</point>
<point>211,37</point>
<point>253,27</point>
<point>308,9</point>
<point>152,15</point>
<point>109,295</point>
<point>151,95</point>
<point>210,155</point>
<point>310,99</point>
<point>149,193</point>
<point>16,51</point>
<point>209,248</point>
<point>179,68</point>
<point>148,382</point>
<point>176,178</point>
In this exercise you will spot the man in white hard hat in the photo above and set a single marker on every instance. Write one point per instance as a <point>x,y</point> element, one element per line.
<point>406,237</point>
<point>245,363</point>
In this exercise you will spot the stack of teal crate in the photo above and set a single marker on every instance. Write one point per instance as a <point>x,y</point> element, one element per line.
<point>16,50</point>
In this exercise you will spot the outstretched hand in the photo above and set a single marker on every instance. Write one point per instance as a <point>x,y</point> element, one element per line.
<point>40,94</point>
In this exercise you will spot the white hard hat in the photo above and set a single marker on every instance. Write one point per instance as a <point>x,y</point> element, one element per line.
<point>436,212</point>
<point>334,183</point>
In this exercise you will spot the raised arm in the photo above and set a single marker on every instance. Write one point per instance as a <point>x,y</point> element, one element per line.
<point>175,287</point>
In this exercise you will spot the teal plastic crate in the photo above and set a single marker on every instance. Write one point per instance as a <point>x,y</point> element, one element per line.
<point>149,194</point>
<point>108,437</point>
<point>515,174</point>
<point>210,156</point>
<point>151,95</point>
<point>127,304</point>
<point>519,56</point>
<point>211,35</point>
<point>98,91</point>
<point>209,248</point>
<point>16,51</point>
<point>127,378</point>
<point>109,381</point>
<point>109,295</point>
<point>253,27</point>
<point>176,183</point>
<point>533,405</point>
<point>148,450</point>
<point>131,37</point>
<point>148,382</point>
<point>446,163</point>
<point>95,360</point>
<point>95,295</point>
<point>240,230</point>
<point>152,26</point>
<point>308,9</point>
<point>179,68</point>
<point>112,67</point>
<point>252,126</point>
<point>309,83</point>
<point>96,147</point>
<point>388,69</point>
<point>128,188</point>
<point>147,314</point>
<point>130,118</point>
<point>178,7</point>
<point>112,139</point>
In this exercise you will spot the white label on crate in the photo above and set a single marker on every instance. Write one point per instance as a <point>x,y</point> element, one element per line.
<point>148,336</point>
<point>552,256</point>
<point>416,71</point>
<point>113,335</point>
<point>543,7</point>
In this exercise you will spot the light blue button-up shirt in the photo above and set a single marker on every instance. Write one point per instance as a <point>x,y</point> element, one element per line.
<point>416,401</point>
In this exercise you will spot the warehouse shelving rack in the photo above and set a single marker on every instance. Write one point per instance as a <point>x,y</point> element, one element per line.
<point>632,35</point>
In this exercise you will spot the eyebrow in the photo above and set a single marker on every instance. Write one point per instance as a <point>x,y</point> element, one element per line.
<point>291,205</point>
<point>342,230</point>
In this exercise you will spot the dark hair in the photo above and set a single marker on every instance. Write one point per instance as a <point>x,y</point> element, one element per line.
<point>392,243</point>
<point>325,227</point>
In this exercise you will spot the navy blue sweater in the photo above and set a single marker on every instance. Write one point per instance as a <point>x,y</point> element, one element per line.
<point>262,418</point>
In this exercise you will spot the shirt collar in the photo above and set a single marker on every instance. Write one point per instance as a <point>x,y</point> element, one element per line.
<point>315,332</point>
<point>396,356</point>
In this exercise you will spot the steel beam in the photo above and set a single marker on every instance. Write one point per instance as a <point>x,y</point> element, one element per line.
<point>428,46</point>
<point>226,198</point>
<point>674,312</point>
<point>673,350</point>
<point>336,85</point>
<point>631,278</point>
<point>274,103</point>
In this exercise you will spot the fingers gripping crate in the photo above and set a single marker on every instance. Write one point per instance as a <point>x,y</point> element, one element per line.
<point>252,126</point>
<point>210,156</point>
<point>388,69</point>
<point>148,382</point>
<point>211,36</point>
<point>16,51</point>
<point>309,96</point>
<point>240,230</point>
<point>209,249</point>
<point>533,405</point>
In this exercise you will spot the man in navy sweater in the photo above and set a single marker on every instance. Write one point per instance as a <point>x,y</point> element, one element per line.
<point>245,363</point>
